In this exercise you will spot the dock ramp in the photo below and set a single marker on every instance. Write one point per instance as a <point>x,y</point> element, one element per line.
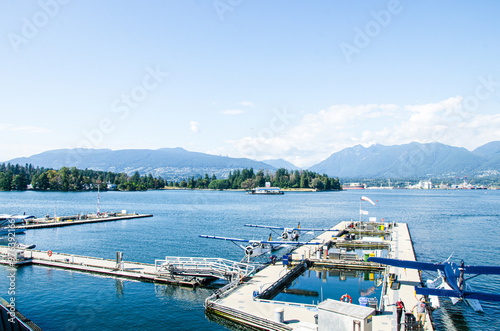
<point>204,267</point>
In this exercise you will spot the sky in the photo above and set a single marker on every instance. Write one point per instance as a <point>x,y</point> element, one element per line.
<point>259,79</point>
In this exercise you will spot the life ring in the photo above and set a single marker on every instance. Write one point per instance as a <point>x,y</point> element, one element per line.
<point>49,253</point>
<point>347,297</point>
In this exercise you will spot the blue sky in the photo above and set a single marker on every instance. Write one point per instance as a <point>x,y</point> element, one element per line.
<point>256,79</point>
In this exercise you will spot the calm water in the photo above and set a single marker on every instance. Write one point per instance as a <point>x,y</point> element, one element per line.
<point>441,222</point>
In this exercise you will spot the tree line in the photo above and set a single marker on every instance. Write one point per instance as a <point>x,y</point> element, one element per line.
<point>17,177</point>
<point>248,179</point>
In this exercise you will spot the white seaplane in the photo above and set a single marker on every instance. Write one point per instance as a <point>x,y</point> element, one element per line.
<point>288,234</point>
<point>452,280</point>
<point>256,248</point>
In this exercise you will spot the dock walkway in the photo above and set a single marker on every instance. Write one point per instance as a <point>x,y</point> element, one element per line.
<point>240,305</point>
<point>401,248</point>
<point>66,222</point>
<point>132,270</point>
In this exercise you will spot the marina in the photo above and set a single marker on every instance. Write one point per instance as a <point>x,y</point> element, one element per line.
<point>273,295</point>
<point>248,297</point>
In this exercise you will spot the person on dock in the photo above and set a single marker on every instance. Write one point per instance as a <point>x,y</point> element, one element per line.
<point>420,305</point>
<point>273,259</point>
<point>400,307</point>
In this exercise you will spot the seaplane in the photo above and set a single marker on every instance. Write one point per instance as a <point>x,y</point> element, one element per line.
<point>256,248</point>
<point>452,280</point>
<point>288,234</point>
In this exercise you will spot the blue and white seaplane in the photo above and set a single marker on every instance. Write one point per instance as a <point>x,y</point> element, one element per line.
<point>452,280</point>
<point>288,234</point>
<point>256,248</point>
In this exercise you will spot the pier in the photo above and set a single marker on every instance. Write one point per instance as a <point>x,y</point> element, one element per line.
<point>247,299</point>
<point>189,272</point>
<point>41,223</point>
<point>250,304</point>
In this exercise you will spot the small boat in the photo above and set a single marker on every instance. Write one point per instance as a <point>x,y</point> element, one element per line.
<point>6,230</point>
<point>265,190</point>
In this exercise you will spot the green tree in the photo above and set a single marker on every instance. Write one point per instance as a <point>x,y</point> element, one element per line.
<point>6,181</point>
<point>20,182</point>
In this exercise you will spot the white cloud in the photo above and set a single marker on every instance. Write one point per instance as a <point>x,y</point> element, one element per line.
<point>23,129</point>
<point>194,126</point>
<point>246,103</point>
<point>30,129</point>
<point>318,135</point>
<point>232,112</point>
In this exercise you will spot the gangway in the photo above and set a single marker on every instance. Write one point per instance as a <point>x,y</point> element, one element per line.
<point>204,267</point>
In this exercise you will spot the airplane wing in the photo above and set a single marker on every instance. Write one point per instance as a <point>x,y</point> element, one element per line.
<point>477,269</point>
<point>270,242</point>
<point>305,229</point>
<point>281,228</point>
<point>407,264</point>
<point>437,292</point>
<point>225,238</point>
<point>286,242</point>
<point>482,296</point>
<point>265,226</point>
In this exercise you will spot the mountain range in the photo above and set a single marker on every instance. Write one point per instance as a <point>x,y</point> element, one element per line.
<point>413,160</point>
<point>169,163</point>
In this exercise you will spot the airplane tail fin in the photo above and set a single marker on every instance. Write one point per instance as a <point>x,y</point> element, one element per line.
<point>270,239</point>
<point>298,226</point>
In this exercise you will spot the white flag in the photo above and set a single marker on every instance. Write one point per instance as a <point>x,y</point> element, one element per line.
<point>363,212</point>
<point>368,199</point>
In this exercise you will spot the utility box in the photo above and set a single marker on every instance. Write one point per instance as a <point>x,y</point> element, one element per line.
<point>337,315</point>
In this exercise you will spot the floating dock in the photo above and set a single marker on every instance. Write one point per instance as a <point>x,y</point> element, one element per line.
<point>247,303</point>
<point>41,223</point>
<point>132,270</point>
<point>248,300</point>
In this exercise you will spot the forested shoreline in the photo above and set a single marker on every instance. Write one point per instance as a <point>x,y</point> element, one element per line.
<point>20,178</point>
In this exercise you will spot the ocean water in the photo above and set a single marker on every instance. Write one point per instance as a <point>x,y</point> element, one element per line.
<point>462,223</point>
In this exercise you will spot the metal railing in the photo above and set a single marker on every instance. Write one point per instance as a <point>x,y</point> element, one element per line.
<point>204,267</point>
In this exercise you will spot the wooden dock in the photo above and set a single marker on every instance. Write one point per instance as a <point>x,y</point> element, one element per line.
<point>41,223</point>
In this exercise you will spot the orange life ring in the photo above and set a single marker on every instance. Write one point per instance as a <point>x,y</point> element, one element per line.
<point>49,253</point>
<point>347,297</point>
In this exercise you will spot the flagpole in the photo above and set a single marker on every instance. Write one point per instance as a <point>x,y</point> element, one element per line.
<point>360,199</point>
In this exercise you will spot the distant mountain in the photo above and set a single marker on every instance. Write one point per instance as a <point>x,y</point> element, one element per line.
<point>491,152</point>
<point>169,163</point>
<point>280,163</point>
<point>410,160</point>
<point>489,149</point>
